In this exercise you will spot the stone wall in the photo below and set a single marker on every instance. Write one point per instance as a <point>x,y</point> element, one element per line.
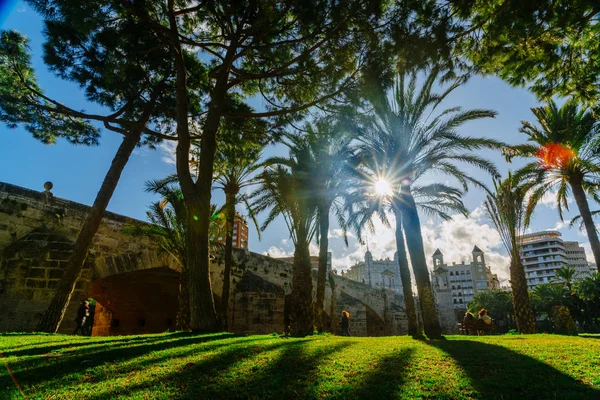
<point>136,286</point>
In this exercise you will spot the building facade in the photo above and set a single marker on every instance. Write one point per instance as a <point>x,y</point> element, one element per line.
<point>240,232</point>
<point>542,253</point>
<point>576,257</point>
<point>376,273</point>
<point>458,283</point>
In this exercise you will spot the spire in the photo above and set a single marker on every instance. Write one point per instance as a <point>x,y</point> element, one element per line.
<point>439,253</point>
<point>476,250</point>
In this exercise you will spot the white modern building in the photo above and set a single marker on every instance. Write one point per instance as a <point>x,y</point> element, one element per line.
<point>377,273</point>
<point>458,283</point>
<point>577,258</point>
<point>542,253</point>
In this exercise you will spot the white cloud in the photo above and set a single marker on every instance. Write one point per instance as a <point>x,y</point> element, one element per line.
<point>277,252</point>
<point>339,233</point>
<point>549,200</point>
<point>454,238</point>
<point>560,225</point>
<point>167,147</point>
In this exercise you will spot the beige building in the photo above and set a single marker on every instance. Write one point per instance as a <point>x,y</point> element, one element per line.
<point>377,273</point>
<point>458,283</point>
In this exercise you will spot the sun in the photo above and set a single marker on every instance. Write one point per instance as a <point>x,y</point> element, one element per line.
<point>383,188</point>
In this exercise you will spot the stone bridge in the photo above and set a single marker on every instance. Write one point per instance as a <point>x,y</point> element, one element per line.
<point>135,286</point>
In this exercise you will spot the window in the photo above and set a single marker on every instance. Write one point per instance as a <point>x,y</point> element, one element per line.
<point>451,273</point>
<point>453,287</point>
<point>460,301</point>
<point>468,272</point>
<point>455,301</point>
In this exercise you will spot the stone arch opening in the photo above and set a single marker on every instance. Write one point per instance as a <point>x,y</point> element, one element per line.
<point>137,302</point>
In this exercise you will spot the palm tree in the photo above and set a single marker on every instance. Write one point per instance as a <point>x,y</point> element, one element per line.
<point>565,148</point>
<point>330,152</point>
<point>236,162</point>
<point>414,144</point>
<point>547,296</point>
<point>566,274</point>
<point>363,205</point>
<point>506,208</point>
<point>285,190</point>
<point>167,228</point>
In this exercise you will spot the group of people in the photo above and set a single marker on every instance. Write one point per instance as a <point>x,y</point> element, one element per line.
<point>483,316</point>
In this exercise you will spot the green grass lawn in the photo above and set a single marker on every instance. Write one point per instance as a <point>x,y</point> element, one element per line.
<point>224,366</point>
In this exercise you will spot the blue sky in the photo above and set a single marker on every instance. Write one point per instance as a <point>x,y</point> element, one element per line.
<point>77,171</point>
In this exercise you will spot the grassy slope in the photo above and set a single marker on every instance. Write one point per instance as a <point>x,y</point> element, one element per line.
<point>221,366</point>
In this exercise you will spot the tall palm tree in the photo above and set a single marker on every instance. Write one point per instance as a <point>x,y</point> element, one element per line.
<point>285,189</point>
<point>363,205</point>
<point>564,144</point>
<point>236,162</point>
<point>167,228</point>
<point>566,274</point>
<point>412,144</point>
<point>330,150</point>
<point>506,208</point>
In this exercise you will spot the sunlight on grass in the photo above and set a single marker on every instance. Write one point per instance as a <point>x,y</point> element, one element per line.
<point>179,366</point>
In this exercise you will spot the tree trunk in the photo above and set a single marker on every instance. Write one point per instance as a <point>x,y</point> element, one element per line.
<point>586,216</point>
<point>522,307</point>
<point>322,271</point>
<point>230,217</point>
<point>183,313</point>
<point>414,240</point>
<point>301,316</point>
<point>53,316</point>
<point>203,315</point>
<point>409,301</point>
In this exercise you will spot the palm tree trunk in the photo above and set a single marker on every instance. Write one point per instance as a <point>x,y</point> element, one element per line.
<point>586,216</point>
<point>409,301</point>
<point>414,240</point>
<point>301,316</point>
<point>522,306</point>
<point>322,271</point>
<point>54,314</point>
<point>230,217</point>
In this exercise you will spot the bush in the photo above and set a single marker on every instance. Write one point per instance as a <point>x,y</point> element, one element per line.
<point>562,320</point>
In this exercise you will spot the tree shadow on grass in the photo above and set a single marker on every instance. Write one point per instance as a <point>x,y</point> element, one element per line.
<point>32,371</point>
<point>47,347</point>
<point>384,380</point>
<point>294,374</point>
<point>496,372</point>
<point>191,381</point>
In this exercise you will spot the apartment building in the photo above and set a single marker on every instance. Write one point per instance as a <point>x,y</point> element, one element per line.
<point>458,283</point>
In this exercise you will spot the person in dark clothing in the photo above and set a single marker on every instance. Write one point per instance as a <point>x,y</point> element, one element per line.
<point>83,312</point>
<point>469,318</point>
<point>345,323</point>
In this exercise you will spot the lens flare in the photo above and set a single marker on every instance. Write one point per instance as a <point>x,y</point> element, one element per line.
<point>383,188</point>
<point>554,155</point>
